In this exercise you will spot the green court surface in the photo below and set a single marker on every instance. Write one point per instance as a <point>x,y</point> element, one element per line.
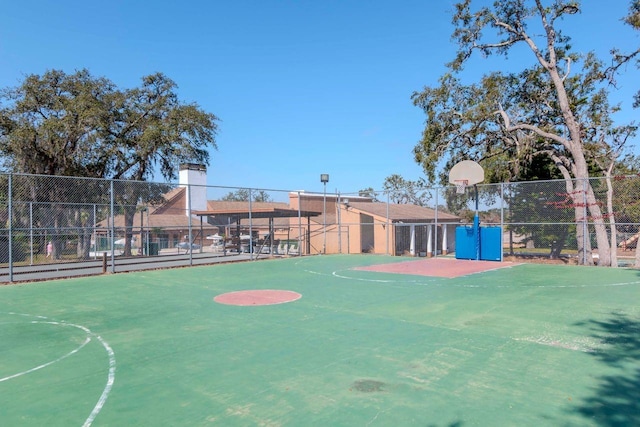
<point>528,345</point>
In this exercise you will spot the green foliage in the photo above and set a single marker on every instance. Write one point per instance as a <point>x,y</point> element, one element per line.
<point>50,124</point>
<point>543,212</point>
<point>633,18</point>
<point>507,121</point>
<point>79,125</point>
<point>369,192</point>
<point>244,194</point>
<point>404,191</point>
<point>19,248</point>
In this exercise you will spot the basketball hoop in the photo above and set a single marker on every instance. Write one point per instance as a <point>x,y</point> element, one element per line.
<point>461,185</point>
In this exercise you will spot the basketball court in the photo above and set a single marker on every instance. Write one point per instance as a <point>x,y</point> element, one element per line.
<point>325,340</point>
<point>438,267</point>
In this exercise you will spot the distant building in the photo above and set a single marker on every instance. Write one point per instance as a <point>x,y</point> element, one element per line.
<point>311,223</point>
<point>360,225</point>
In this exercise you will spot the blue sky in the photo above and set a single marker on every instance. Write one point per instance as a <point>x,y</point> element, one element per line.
<point>301,87</point>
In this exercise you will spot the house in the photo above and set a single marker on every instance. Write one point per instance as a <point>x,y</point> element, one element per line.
<point>361,225</point>
<point>264,224</point>
<point>310,223</point>
<point>167,223</point>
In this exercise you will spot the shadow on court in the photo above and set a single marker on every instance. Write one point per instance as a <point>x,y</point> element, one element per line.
<point>616,399</point>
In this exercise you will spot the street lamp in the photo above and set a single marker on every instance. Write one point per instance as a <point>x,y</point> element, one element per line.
<point>324,178</point>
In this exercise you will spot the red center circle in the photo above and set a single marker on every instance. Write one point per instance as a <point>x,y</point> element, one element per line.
<point>257,297</point>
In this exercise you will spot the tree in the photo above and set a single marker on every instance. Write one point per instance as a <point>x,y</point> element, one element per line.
<point>244,194</point>
<point>150,127</point>
<point>554,108</point>
<point>79,125</point>
<point>548,208</point>
<point>402,191</point>
<point>370,193</point>
<point>50,124</point>
<point>621,58</point>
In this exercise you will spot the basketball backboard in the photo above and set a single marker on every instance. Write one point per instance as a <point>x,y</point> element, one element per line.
<point>466,171</point>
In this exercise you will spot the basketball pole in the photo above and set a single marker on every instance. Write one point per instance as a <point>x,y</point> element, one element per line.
<point>476,223</point>
<point>469,173</point>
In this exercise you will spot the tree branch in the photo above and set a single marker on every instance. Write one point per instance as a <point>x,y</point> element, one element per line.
<point>532,128</point>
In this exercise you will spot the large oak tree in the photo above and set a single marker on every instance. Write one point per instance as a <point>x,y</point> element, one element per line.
<point>80,125</point>
<point>556,106</point>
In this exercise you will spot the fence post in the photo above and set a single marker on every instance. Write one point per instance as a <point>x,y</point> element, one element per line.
<point>10,220</point>
<point>190,249</point>
<point>339,209</point>
<point>435,246</point>
<point>388,225</point>
<point>30,233</point>
<point>95,234</point>
<point>501,220</point>
<point>250,249</point>
<point>300,239</point>
<point>112,226</point>
<point>585,228</point>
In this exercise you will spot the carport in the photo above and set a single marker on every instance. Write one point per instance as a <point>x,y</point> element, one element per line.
<point>228,214</point>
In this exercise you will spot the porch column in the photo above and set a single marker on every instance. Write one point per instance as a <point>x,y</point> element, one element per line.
<point>412,245</point>
<point>429,240</point>
<point>444,238</point>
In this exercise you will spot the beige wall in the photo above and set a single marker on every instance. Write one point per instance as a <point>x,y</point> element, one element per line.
<point>352,227</point>
<point>349,238</point>
<point>313,202</point>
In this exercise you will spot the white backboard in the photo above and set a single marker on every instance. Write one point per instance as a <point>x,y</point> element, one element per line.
<point>466,170</point>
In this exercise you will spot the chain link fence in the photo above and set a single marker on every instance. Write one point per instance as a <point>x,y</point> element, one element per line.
<point>65,226</point>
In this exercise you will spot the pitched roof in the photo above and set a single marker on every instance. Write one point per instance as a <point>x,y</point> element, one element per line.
<point>156,220</point>
<point>257,209</point>
<point>403,213</point>
<point>174,200</point>
<point>227,206</point>
<point>171,213</point>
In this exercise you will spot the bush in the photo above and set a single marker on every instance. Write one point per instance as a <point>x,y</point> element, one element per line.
<point>19,248</point>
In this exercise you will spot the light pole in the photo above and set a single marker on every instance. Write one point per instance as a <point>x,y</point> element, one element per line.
<point>324,178</point>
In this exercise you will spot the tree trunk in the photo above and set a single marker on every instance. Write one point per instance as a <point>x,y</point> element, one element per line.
<point>557,246</point>
<point>129,212</point>
<point>580,167</point>
<point>602,239</point>
<point>582,230</point>
<point>612,221</point>
<point>83,246</point>
<point>577,198</point>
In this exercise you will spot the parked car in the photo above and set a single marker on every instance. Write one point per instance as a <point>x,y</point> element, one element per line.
<point>100,254</point>
<point>186,246</point>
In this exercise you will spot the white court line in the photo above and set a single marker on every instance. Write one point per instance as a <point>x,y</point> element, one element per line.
<point>362,279</point>
<point>434,281</point>
<point>337,274</point>
<point>419,282</point>
<point>595,285</point>
<point>112,362</point>
<point>19,374</point>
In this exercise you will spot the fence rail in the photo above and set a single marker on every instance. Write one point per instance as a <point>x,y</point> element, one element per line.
<point>52,223</point>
